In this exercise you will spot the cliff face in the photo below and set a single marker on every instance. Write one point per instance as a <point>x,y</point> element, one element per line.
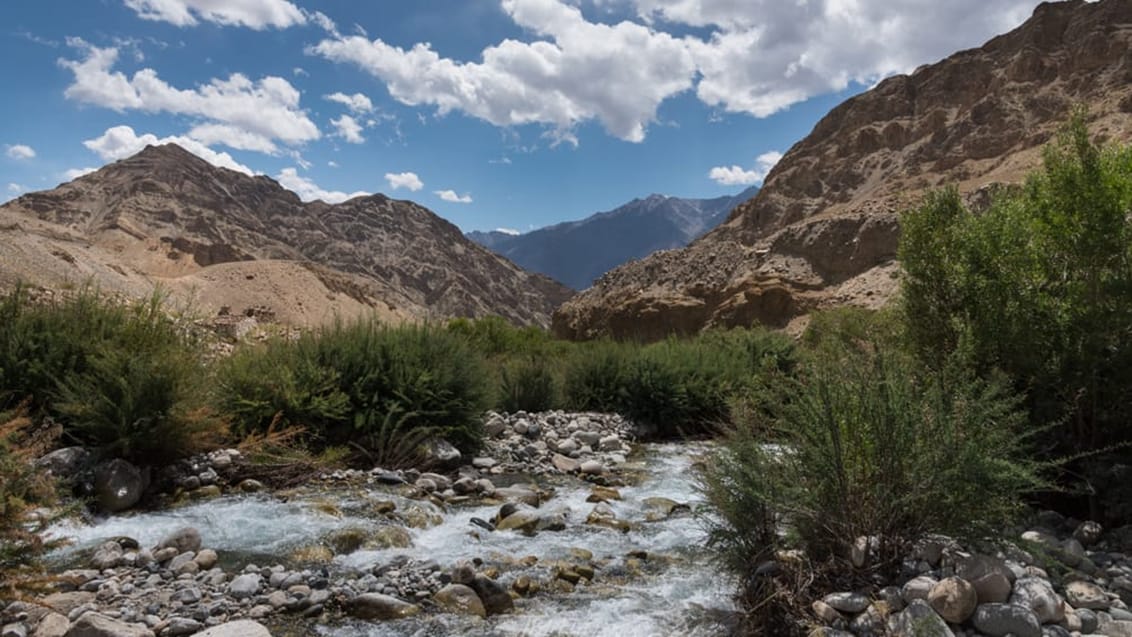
<point>823,229</point>
<point>164,215</point>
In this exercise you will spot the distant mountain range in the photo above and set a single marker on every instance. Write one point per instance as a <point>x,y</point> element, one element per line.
<point>577,252</point>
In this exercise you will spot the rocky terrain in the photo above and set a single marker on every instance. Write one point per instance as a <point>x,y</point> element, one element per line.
<point>823,229</point>
<point>219,238</point>
<point>577,252</point>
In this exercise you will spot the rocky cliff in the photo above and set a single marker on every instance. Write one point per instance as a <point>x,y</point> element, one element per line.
<point>223,238</point>
<point>577,252</point>
<point>823,230</point>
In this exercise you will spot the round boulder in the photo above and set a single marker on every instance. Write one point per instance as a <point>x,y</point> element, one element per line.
<point>998,620</point>
<point>954,598</point>
<point>118,485</point>
<point>459,599</point>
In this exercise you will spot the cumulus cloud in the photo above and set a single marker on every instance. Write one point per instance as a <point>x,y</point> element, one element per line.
<point>357,103</point>
<point>404,180</point>
<point>550,81</point>
<point>256,14</point>
<point>120,142</point>
<point>232,137</point>
<point>15,188</point>
<point>746,56</point>
<point>348,129</point>
<point>261,111</point>
<point>451,196</point>
<point>75,173</point>
<point>21,151</point>
<point>307,190</point>
<point>738,176</point>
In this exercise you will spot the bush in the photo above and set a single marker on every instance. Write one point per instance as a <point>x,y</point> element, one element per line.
<point>595,376</point>
<point>527,384</point>
<point>873,445</point>
<point>349,383</point>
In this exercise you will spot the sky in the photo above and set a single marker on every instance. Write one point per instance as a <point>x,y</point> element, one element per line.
<point>496,114</point>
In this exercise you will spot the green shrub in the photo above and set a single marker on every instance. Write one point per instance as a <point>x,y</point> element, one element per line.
<point>595,376</point>
<point>527,384</point>
<point>874,445</point>
<point>344,384</point>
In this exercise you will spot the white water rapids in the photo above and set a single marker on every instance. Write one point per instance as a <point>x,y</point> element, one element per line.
<point>679,592</point>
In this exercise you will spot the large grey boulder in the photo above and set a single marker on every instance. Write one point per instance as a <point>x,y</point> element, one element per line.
<point>998,620</point>
<point>1037,595</point>
<point>459,599</point>
<point>118,485</point>
<point>64,463</point>
<point>991,577</point>
<point>95,625</point>
<point>954,598</point>
<point>239,628</point>
<point>245,586</point>
<point>919,620</point>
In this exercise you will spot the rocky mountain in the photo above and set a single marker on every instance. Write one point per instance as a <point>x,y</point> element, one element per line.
<point>222,238</point>
<point>823,230</point>
<point>577,252</point>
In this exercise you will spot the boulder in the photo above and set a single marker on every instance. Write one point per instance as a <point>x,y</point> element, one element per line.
<point>494,596</point>
<point>990,576</point>
<point>390,537</point>
<point>441,453</point>
<point>1086,595</point>
<point>954,599</point>
<point>459,600</point>
<point>517,494</point>
<point>52,625</point>
<point>1117,628</point>
<point>1037,595</point>
<point>1088,533</point>
<point>64,463</point>
<point>95,625</point>
<point>245,586</point>
<point>186,539</point>
<point>118,485</point>
<point>919,620</point>
<point>847,602</point>
<point>107,555</point>
<point>917,588</point>
<point>378,606</point>
<point>997,620</point>
<point>238,628</point>
<point>564,464</point>
<point>206,559</point>
<point>591,467</point>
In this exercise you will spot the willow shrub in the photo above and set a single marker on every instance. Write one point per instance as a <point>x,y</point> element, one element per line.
<point>868,444</point>
<point>356,383</point>
<point>527,383</point>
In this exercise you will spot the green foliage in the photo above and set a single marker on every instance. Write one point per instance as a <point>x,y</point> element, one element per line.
<point>125,378</point>
<point>1039,286</point>
<point>869,443</point>
<point>595,375</point>
<point>345,382</point>
<point>493,336</point>
<point>527,384</point>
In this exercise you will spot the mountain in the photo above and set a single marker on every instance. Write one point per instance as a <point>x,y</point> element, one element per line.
<point>223,238</point>
<point>577,252</point>
<point>823,230</point>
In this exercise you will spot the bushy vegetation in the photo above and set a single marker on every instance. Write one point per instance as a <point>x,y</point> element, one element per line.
<point>127,379</point>
<point>349,383</point>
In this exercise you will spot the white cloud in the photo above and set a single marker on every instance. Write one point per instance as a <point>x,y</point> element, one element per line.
<point>738,176</point>
<point>348,129</point>
<point>404,180</point>
<point>232,137</point>
<point>120,142</point>
<point>747,56</point>
<point>550,81</point>
<point>307,190</point>
<point>299,71</point>
<point>357,103</point>
<point>332,163</point>
<point>75,173</point>
<point>511,231</point>
<point>256,14</point>
<point>15,188</point>
<point>21,151</point>
<point>263,111</point>
<point>451,196</point>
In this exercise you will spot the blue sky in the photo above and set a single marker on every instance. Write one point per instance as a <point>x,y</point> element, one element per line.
<point>493,113</point>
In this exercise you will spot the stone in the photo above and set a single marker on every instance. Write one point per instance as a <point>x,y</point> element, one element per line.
<point>96,625</point>
<point>17,629</point>
<point>238,628</point>
<point>182,626</point>
<point>662,508</point>
<point>251,485</point>
<point>52,625</point>
<point>184,540</point>
<point>1089,620</point>
<point>64,463</point>
<point>990,576</point>
<point>564,464</point>
<point>567,446</point>
<point>603,494</point>
<point>588,438</point>
<point>609,443</point>
<point>517,494</point>
<point>917,588</point>
<point>107,555</point>
<point>483,462</point>
<point>847,602</point>
<point>826,613</point>
<point>1086,595</point>
<point>1037,595</point>
<point>245,586</point>
<point>462,573</point>
<point>442,453</point>
<point>494,596</point>
<point>919,620</point>
<point>118,485</point>
<point>1088,533</point>
<point>390,537</point>
<point>591,467</point>
<point>65,603</point>
<point>206,559</point>
<point>1118,628</point>
<point>954,599</point>
<point>459,599</point>
<point>382,607</point>
<point>998,620</point>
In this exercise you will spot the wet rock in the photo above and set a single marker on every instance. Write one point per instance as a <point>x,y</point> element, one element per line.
<point>603,515</point>
<point>118,485</point>
<point>347,540</point>
<point>315,554</point>
<point>238,628</point>
<point>518,494</point>
<point>460,600</point>
<point>920,620</point>
<point>379,606</point>
<point>390,537</point>
<point>1086,595</point>
<point>954,598</point>
<point>603,494</point>
<point>495,598</point>
<point>663,508</point>
<point>96,625</point>
<point>997,620</point>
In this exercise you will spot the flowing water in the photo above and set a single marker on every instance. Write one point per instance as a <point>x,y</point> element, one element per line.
<point>675,591</point>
